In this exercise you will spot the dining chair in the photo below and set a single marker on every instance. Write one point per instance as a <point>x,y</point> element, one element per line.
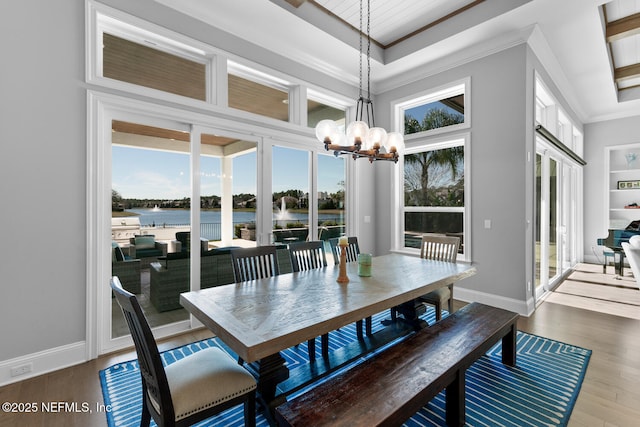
<point>196,387</point>
<point>353,250</point>
<point>307,256</point>
<point>259,262</point>
<point>440,248</point>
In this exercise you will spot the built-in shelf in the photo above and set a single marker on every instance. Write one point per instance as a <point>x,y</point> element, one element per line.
<point>619,170</point>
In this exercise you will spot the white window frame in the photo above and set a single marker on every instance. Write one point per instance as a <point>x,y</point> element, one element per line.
<point>101,19</point>
<point>432,95</point>
<point>163,107</point>
<point>452,140</point>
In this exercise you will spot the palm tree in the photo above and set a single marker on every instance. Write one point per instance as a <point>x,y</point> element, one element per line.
<point>450,157</point>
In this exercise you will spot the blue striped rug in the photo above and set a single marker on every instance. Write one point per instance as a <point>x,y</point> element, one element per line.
<point>540,391</point>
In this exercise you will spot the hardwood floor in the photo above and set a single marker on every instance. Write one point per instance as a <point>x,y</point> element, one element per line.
<point>609,394</point>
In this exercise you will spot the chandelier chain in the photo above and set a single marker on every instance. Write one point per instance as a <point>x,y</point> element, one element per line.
<point>360,56</point>
<point>368,50</point>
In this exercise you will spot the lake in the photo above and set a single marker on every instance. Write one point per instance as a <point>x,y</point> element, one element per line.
<point>159,217</point>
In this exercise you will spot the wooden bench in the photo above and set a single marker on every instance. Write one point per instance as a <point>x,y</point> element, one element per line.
<point>390,387</point>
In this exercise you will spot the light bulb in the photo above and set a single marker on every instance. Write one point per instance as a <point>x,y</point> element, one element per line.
<point>377,137</point>
<point>357,131</point>
<point>325,128</point>
<point>338,137</point>
<point>395,141</point>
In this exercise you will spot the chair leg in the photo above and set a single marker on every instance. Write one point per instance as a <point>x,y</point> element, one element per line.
<point>368,325</point>
<point>359,329</point>
<point>311,346</point>
<point>450,299</point>
<point>324,339</point>
<point>250,410</point>
<point>438,307</point>
<point>145,421</point>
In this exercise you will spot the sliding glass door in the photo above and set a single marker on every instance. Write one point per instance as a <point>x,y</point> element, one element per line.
<point>150,210</point>
<point>556,234</point>
<point>308,195</point>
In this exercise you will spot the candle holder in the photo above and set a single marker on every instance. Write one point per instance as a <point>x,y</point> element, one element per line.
<point>342,277</point>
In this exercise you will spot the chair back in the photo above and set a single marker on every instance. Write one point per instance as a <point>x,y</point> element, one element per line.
<point>254,263</point>
<point>439,247</point>
<point>307,255</point>
<point>155,388</point>
<point>353,249</point>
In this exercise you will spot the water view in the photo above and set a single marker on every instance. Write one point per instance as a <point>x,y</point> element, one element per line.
<point>171,217</point>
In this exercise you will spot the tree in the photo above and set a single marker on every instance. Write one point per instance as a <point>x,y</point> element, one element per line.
<point>430,161</point>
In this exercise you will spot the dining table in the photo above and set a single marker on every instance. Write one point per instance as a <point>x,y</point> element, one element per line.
<point>260,318</point>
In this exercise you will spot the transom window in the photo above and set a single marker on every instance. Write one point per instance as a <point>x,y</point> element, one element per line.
<point>134,63</point>
<point>442,110</point>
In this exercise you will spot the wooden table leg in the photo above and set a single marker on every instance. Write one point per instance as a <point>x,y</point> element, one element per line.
<point>269,372</point>
<point>411,312</point>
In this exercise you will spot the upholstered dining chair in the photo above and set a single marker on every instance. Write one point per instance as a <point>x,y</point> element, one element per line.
<point>353,250</point>
<point>306,256</point>
<point>254,263</point>
<point>440,248</point>
<point>191,389</point>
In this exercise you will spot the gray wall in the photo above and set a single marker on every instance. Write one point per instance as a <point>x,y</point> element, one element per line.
<point>42,169</point>
<point>498,165</point>
<point>597,136</point>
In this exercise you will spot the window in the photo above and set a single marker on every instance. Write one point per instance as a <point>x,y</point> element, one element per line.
<point>331,196</point>
<point>134,63</point>
<point>434,192</point>
<point>441,110</point>
<point>320,109</point>
<point>434,115</point>
<point>290,184</point>
<point>150,160</point>
<point>252,91</point>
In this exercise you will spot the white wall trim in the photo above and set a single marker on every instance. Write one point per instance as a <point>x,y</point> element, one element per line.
<point>43,362</point>
<point>524,308</point>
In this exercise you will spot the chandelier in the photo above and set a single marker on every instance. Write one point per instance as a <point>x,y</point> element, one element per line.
<point>362,139</point>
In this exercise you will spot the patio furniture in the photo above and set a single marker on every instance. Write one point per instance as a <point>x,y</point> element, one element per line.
<point>171,276</point>
<point>330,231</point>
<point>287,235</point>
<point>191,389</point>
<point>305,256</point>
<point>146,248</point>
<point>127,269</point>
<point>182,243</point>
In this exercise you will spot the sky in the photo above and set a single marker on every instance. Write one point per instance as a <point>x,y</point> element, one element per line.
<point>420,111</point>
<point>153,174</point>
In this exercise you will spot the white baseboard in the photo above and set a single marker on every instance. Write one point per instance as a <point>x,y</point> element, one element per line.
<point>43,362</point>
<point>524,308</point>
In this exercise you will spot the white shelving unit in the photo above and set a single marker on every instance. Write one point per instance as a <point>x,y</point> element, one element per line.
<point>620,197</point>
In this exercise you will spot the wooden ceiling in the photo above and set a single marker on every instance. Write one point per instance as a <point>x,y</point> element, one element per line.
<point>622,21</point>
<point>167,134</point>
